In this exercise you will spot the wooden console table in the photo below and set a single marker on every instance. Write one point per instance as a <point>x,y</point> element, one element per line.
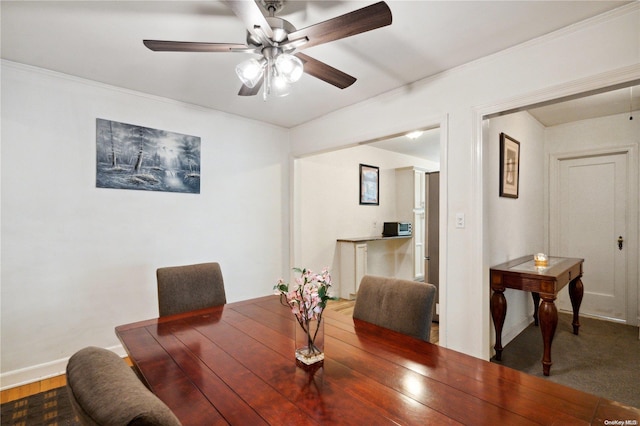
<point>542,282</point>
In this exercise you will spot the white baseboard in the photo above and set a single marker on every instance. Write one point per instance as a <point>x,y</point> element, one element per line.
<point>25,376</point>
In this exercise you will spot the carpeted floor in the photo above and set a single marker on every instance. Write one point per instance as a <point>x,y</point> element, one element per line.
<point>604,359</point>
<point>50,408</point>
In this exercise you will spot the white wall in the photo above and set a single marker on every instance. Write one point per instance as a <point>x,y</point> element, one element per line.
<point>515,226</point>
<point>611,131</point>
<point>329,206</point>
<point>605,49</point>
<point>79,260</point>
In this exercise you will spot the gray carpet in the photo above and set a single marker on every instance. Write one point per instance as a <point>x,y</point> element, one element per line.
<point>604,359</point>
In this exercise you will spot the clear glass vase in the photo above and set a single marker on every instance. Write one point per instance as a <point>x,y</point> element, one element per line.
<point>310,342</point>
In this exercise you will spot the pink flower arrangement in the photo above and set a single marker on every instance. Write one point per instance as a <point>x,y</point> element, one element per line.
<point>307,298</point>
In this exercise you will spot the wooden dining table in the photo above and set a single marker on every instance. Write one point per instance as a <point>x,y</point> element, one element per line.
<point>235,364</point>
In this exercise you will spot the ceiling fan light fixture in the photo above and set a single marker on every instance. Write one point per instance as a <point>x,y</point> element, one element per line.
<point>289,67</point>
<point>250,71</point>
<point>275,85</point>
<point>280,86</point>
<point>272,37</point>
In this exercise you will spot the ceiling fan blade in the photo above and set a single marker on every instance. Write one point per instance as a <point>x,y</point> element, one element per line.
<point>188,46</point>
<point>359,21</point>
<point>251,15</point>
<point>325,72</point>
<point>250,91</point>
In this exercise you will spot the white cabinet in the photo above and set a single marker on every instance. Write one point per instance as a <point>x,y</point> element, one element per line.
<point>419,249</point>
<point>353,266</point>
<point>419,192</point>
<point>387,255</point>
<point>410,207</point>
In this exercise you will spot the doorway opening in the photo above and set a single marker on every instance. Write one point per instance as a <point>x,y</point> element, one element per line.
<point>569,168</point>
<point>331,179</point>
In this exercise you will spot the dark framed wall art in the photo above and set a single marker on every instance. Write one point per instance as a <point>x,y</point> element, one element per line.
<point>509,166</point>
<point>369,185</point>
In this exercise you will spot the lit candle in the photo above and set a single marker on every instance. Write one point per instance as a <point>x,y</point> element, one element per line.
<point>540,259</point>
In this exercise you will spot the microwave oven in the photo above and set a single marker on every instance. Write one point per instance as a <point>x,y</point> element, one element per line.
<point>394,229</point>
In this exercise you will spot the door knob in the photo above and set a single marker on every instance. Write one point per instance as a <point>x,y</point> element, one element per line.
<point>620,241</point>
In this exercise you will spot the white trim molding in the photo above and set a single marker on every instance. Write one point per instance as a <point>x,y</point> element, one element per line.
<point>35,373</point>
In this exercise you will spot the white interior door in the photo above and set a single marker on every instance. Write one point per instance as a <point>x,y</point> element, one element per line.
<point>591,202</point>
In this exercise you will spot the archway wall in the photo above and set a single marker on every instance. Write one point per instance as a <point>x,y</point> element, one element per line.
<point>544,68</point>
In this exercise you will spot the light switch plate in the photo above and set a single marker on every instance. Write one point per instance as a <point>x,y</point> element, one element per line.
<point>459,220</point>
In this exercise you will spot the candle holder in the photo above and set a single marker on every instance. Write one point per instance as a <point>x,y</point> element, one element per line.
<point>540,260</point>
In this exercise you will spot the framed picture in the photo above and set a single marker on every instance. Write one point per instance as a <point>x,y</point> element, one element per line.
<point>509,166</point>
<point>136,157</point>
<point>369,185</point>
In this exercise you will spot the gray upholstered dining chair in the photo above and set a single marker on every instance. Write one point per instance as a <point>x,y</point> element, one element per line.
<point>104,390</point>
<point>189,287</point>
<point>400,305</point>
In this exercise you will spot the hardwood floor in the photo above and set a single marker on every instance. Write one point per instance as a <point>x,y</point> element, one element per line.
<point>343,306</point>
<point>29,389</point>
<point>32,388</point>
<point>346,307</point>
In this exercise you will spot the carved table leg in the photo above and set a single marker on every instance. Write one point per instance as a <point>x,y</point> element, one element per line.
<point>576,290</point>
<point>548,323</point>
<point>498,313</point>
<point>536,304</point>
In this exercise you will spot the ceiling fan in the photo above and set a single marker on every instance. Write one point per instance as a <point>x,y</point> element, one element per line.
<point>278,42</point>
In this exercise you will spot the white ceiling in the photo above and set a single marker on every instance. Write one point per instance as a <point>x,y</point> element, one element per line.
<point>625,100</point>
<point>102,41</point>
<point>426,146</point>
